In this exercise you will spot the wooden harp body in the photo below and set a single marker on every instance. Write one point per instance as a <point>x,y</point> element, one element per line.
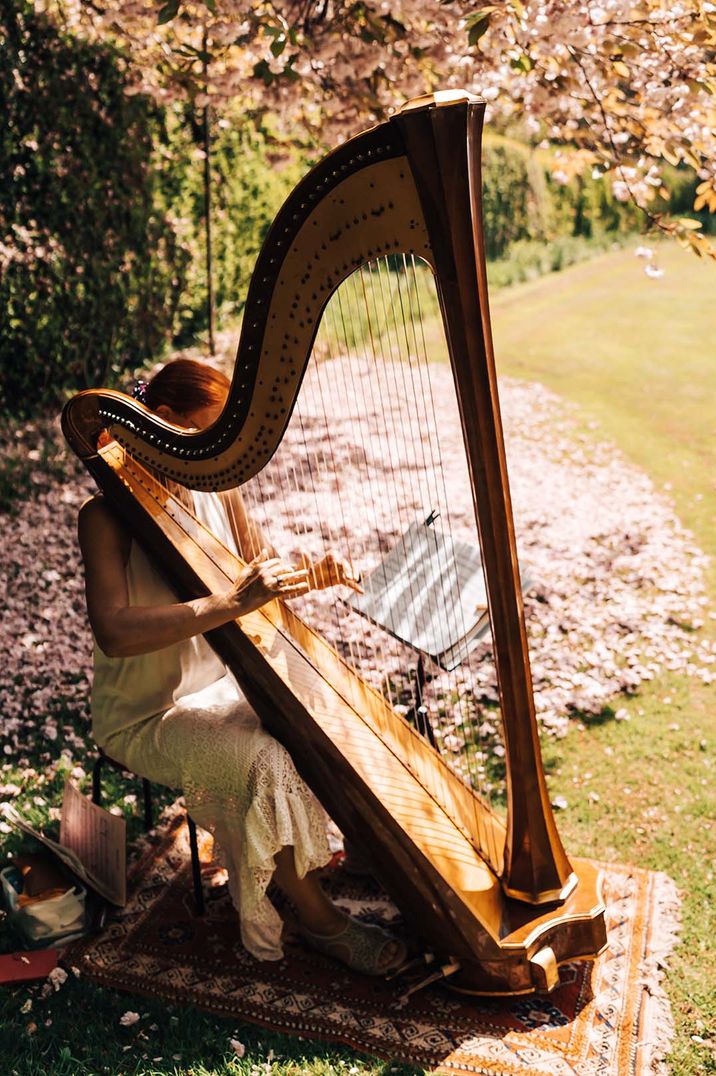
<point>495,894</point>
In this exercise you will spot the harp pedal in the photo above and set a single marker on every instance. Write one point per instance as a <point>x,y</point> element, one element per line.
<point>442,972</point>
<point>424,960</point>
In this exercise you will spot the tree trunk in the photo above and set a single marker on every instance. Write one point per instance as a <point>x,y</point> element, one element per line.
<point>207,206</point>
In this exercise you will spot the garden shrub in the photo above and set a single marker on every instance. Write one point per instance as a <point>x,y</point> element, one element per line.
<point>101,215</point>
<point>89,272</point>
<point>523,201</point>
<point>252,173</point>
<point>527,259</point>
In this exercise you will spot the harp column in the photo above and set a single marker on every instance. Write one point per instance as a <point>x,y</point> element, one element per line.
<point>442,135</point>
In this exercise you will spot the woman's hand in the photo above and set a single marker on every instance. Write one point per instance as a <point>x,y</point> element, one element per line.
<point>330,571</point>
<point>262,579</point>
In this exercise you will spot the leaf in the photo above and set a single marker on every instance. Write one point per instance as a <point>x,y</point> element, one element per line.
<point>168,12</point>
<point>478,23</point>
<point>278,45</point>
<point>689,223</point>
<point>669,154</point>
<point>621,68</point>
<point>522,63</point>
<point>691,158</point>
<point>211,5</point>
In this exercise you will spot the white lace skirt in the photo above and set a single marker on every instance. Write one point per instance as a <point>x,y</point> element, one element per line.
<point>241,785</point>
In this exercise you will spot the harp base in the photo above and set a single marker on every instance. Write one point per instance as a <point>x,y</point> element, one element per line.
<point>573,930</point>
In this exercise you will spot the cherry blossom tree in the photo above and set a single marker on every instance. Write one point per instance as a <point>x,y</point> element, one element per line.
<point>621,86</point>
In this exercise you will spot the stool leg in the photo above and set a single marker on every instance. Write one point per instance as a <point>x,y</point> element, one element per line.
<point>97,781</point>
<point>195,866</point>
<point>147,789</point>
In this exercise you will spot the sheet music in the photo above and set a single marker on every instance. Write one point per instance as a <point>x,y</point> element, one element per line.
<point>429,591</point>
<point>98,839</point>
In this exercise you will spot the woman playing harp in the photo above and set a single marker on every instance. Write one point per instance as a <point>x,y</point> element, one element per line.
<point>491,893</point>
<point>164,705</point>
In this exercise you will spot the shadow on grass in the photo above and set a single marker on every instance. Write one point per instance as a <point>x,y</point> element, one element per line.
<point>596,720</point>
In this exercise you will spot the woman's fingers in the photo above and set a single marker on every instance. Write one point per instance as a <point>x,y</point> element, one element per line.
<point>343,572</point>
<point>355,583</point>
<point>294,590</point>
<point>261,555</point>
<point>286,583</point>
<point>291,573</point>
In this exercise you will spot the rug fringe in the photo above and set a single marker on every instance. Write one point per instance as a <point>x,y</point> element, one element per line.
<point>656,1030</point>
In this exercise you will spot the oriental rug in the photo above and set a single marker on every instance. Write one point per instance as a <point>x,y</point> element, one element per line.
<point>609,1018</point>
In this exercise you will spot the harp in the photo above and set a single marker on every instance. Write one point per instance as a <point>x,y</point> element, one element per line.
<point>391,217</point>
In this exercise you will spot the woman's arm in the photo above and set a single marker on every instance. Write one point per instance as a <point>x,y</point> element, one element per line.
<point>123,630</point>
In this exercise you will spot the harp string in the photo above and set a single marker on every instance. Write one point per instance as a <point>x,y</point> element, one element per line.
<point>416,447</point>
<point>380,498</point>
<point>473,747</point>
<point>346,528</point>
<point>406,354</point>
<point>370,368</point>
<point>468,758</point>
<point>297,475</point>
<point>350,335</point>
<point>377,404</point>
<point>473,738</point>
<point>373,649</point>
<point>403,315</point>
<point>388,414</point>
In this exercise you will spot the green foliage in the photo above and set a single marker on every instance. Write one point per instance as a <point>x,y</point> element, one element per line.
<point>681,182</point>
<point>102,250</point>
<point>528,259</point>
<point>89,272</point>
<point>252,172</point>
<point>522,200</point>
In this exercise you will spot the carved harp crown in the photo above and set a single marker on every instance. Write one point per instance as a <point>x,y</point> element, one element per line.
<point>491,891</point>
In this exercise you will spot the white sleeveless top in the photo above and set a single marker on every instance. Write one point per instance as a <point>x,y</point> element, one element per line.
<point>128,690</point>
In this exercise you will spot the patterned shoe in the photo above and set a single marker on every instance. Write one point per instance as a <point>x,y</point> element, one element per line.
<point>360,946</point>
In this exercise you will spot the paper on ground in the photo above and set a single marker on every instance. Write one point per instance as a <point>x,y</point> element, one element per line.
<point>92,843</point>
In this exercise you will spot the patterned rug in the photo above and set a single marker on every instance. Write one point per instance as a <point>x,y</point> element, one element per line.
<point>610,1018</point>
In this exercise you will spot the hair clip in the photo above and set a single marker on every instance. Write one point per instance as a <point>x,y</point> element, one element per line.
<point>139,392</point>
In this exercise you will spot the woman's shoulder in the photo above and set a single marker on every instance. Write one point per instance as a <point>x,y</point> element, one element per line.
<point>95,510</point>
<point>97,523</point>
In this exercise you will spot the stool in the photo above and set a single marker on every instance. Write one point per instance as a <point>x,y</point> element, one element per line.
<point>103,759</point>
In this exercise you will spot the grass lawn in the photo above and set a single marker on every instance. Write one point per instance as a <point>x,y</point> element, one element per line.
<point>639,357</point>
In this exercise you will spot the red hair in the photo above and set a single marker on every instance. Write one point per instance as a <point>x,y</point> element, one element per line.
<point>186,385</point>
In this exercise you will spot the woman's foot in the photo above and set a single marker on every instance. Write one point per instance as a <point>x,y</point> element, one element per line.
<point>362,947</point>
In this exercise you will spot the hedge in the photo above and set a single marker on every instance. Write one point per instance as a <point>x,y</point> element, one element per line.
<point>89,272</point>
<point>522,199</point>
<point>101,236</point>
